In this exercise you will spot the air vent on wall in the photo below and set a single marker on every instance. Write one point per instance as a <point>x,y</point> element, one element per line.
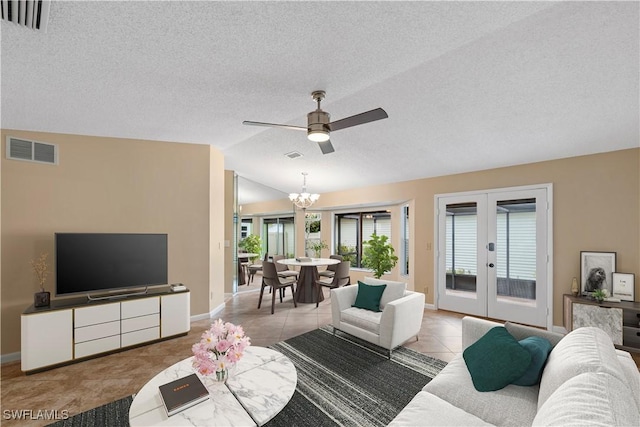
<point>32,14</point>
<point>31,151</point>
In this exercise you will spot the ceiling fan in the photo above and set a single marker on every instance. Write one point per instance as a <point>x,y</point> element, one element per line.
<point>318,125</point>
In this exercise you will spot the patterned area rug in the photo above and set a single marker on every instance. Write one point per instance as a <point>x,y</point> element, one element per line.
<point>342,381</point>
<point>345,381</point>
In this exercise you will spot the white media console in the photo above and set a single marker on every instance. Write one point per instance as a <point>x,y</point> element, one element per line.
<point>75,329</point>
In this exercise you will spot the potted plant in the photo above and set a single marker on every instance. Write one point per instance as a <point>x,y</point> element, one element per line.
<point>40,269</point>
<point>252,244</point>
<point>600,295</point>
<point>379,255</point>
<point>317,246</point>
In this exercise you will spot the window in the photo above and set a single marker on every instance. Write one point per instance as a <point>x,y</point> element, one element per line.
<point>313,243</point>
<point>515,242</point>
<point>352,229</point>
<point>246,226</point>
<point>280,236</point>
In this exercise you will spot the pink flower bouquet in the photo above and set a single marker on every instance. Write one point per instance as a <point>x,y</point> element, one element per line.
<point>220,348</point>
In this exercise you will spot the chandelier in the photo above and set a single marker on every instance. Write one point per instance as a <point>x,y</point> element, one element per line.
<point>303,200</point>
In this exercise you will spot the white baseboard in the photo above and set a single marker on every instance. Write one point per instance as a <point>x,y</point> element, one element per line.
<point>202,316</point>
<point>217,310</point>
<point>210,315</point>
<point>11,357</point>
<point>430,306</point>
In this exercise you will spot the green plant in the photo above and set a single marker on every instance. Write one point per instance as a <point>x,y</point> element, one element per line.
<point>348,254</point>
<point>317,246</point>
<point>252,244</point>
<point>600,294</point>
<point>379,255</point>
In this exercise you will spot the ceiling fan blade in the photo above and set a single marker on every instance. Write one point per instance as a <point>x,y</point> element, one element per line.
<point>326,147</point>
<point>358,119</point>
<point>247,122</point>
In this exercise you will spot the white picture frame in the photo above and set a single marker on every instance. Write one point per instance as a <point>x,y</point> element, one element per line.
<point>596,269</point>
<point>623,286</point>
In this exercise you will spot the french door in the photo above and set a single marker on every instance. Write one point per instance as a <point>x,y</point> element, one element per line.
<point>493,254</point>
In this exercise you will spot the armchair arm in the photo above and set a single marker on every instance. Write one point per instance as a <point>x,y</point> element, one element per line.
<point>401,319</point>
<point>341,299</point>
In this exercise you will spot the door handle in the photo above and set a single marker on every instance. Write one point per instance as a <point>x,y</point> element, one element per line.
<point>490,265</point>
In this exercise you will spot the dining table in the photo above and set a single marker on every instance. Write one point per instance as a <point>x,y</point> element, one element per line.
<point>308,276</point>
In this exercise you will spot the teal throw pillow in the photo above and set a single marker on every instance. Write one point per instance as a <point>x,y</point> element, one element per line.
<point>496,360</point>
<point>369,296</point>
<point>539,349</point>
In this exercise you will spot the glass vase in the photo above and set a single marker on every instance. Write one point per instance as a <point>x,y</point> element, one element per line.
<point>222,375</point>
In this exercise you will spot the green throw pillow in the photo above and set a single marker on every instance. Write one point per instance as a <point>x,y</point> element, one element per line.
<point>496,360</point>
<point>369,296</point>
<point>539,349</point>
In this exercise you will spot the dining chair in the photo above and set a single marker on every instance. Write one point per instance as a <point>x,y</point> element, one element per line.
<point>283,270</point>
<point>341,278</point>
<point>244,263</point>
<point>270,278</point>
<point>254,268</point>
<point>331,269</point>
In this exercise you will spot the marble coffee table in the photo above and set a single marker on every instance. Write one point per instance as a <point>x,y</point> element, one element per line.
<point>259,386</point>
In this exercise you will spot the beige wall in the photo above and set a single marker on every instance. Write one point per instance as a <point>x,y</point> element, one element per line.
<point>111,185</point>
<point>596,208</point>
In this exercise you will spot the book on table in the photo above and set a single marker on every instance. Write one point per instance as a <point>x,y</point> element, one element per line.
<point>183,393</point>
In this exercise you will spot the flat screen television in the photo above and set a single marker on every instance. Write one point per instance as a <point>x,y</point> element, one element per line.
<point>103,262</point>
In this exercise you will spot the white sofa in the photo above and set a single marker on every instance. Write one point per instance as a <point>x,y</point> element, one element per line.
<point>585,381</point>
<point>399,320</point>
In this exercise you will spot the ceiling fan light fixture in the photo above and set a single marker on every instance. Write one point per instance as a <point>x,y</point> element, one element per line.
<point>320,135</point>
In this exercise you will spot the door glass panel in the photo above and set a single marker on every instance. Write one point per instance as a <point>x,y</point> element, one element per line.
<point>280,234</point>
<point>347,231</point>
<point>461,243</point>
<point>516,251</point>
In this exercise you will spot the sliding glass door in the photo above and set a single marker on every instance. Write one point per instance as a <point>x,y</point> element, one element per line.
<point>280,236</point>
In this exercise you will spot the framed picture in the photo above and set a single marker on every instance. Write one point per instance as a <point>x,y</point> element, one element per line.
<point>624,286</point>
<point>596,270</point>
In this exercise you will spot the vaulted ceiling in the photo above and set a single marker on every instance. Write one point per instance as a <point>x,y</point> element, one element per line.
<point>467,85</point>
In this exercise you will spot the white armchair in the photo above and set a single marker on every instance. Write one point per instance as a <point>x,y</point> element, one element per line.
<point>399,320</point>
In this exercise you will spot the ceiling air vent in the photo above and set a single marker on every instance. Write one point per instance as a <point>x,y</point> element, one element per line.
<point>32,14</point>
<point>293,155</point>
<point>32,151</point>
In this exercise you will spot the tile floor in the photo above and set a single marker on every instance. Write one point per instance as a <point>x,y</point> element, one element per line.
<point>85,385</point>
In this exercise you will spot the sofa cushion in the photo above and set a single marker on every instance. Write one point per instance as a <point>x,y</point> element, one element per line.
<point>368,296</point>
<point>496,360</point>
<point>511,406</point>
<point>362,318</point>
<point>425,409</point>
<point>591,398</point>
<point>520,332</point>
<point>393,291</point>
<point>582,350</point>
<point>539,349</point>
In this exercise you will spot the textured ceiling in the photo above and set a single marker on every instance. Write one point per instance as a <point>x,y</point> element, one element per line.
<point>467,85</point>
